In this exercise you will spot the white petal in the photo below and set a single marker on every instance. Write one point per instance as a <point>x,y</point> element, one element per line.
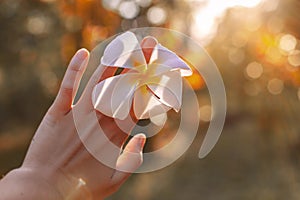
<point>124,51</point>
<point>155,69</point>
<point>113,96</point>
<point>164,56</point>
<point>146,105</point>
<point>168,89</point>
<point>159,120</point>
<point>123,94</point>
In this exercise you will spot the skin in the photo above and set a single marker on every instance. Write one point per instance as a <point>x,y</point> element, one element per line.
<point>57,165</point>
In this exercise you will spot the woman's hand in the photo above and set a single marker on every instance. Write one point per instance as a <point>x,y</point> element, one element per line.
<point>57,164</point>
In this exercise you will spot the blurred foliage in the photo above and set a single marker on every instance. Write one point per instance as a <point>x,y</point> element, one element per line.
<point>255,47</point>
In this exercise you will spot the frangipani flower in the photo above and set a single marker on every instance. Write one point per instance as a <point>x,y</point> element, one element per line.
<point>152,84</point>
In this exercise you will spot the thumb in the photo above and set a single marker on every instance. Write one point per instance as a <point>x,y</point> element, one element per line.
<point>130,159</point>
<point>70,84</point>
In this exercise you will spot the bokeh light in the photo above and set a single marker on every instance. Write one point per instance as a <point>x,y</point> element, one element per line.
<point>156,15</point>
<point>111,4</point>
<point>288,42</point>
<point>144,3</point>
<point>129,9</point>
<point>275,86</point>
<point>294,58</point>
<point>254,70</point>
<point>38,24</point>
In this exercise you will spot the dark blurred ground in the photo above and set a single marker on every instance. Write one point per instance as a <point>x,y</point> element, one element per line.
<point>258,54</point>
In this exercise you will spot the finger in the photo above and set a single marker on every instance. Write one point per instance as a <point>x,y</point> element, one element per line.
<point>113,132</point>
<point>101,73</point>
<point>130,159</point>
<point>70,83</point>
<point>115,129</point>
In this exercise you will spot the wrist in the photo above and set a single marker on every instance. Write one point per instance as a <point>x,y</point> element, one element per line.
<point>25,183</point>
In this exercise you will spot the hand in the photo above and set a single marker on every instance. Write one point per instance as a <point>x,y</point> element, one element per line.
<point>57,164</point>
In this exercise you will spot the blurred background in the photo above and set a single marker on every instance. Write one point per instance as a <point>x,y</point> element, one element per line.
<point>255,44</point>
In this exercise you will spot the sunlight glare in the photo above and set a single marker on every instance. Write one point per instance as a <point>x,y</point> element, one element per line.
<point>81,183</point>
<point>244,3</point>
<point>207,16</point>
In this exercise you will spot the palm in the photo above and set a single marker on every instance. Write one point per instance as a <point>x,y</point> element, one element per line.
<point>57,146</point>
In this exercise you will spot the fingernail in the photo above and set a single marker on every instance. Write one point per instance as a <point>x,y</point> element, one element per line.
<point>141,142</point>
<point>84,62</point>
<point>82,56</point>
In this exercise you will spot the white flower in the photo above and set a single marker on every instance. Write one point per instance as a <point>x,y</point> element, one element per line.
<point>153,84</point>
